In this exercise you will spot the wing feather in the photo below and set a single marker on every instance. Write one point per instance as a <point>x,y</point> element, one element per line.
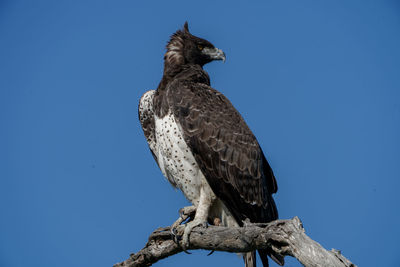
<point>225,149</point>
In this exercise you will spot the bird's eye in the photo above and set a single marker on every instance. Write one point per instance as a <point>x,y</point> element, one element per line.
<point>200,47</point>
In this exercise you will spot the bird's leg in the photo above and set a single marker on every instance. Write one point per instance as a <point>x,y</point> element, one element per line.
<point>200,218</point>
<point>184,214</point>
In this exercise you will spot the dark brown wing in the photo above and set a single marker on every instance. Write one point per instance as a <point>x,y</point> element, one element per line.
<point>225,149</point>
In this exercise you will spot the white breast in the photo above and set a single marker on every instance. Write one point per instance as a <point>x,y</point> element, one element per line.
<point>176,160</point>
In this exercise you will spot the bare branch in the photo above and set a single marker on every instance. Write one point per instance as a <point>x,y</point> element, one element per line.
<point>284,237</point>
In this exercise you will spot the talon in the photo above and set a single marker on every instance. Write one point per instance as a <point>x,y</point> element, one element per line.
<point>175,237</point>
<point>188,229</point>
<point>187,213</point>
<point>211,252</point>
<point>187,252</point>
<point>174,231</point>
<point>184,214</point>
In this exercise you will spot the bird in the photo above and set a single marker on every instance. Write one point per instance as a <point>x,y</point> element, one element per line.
<point>203,146</point>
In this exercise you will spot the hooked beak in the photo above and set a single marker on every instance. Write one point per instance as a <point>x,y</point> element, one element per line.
<point>214,53</point>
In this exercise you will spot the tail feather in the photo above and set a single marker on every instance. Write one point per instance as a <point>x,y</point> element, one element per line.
<point>264,258</point>
<point>264,253</point>
<point>249,259</point>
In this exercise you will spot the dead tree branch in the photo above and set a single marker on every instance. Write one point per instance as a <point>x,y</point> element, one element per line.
<point>284,237</point>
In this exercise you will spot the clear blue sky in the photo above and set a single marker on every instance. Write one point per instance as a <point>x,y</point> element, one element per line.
<point>317,81</point>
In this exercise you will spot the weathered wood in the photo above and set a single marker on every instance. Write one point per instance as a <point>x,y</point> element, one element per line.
<point>284,237</point>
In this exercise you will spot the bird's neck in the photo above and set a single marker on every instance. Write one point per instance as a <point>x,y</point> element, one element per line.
<point>187,72</point>
<point>170,71</point>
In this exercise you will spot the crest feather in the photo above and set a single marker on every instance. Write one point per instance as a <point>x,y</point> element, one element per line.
<point>174,54</point>
<point>186,27</point>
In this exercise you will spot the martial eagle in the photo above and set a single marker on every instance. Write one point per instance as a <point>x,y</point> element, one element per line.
<point>202,144</point>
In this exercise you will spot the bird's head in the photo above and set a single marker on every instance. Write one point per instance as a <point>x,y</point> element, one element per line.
<point>185,48</point>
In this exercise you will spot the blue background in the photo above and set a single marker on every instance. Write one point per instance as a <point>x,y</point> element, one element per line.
<point>317,81</point>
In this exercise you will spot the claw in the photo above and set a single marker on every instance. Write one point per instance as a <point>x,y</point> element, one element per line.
<point>176,238</point>
<point>188,229</point>
<point>174,234</point>
<point>185,213</point>
<point>187,252</point>
<point>174,231</point>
